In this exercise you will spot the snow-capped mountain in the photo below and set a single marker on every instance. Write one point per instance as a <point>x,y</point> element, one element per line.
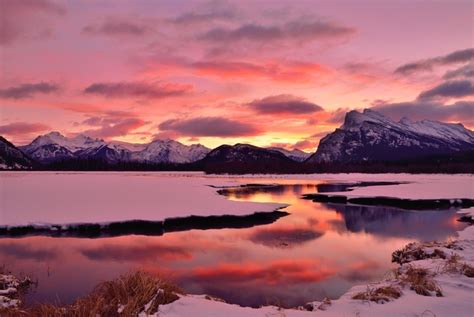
<point>54,147</point>
<point>169,151</point>
<point>370,136</point>
<point>107,152</point>
<point>295,154</point>
<point>11,157</point>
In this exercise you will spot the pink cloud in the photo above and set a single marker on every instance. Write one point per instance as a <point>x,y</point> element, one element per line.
<point>22,128</point>
<point>27,19</point>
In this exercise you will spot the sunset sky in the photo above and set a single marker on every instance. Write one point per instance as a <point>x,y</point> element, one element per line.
<point>262,72</point>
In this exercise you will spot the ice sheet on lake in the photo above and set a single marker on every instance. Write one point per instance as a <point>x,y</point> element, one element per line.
<point>59,198</point>
<point>49,197</point>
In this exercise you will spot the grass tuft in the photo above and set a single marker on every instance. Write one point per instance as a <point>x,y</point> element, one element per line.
<point>379,295</point>
<point>421,281</point>
<point>128,295</point>
<point>454,265</point>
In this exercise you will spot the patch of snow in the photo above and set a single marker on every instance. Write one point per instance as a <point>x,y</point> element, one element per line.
<point>9,285</point>
<point>94,197</point>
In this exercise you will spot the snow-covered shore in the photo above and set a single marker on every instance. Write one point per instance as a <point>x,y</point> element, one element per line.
<point>447,265</point>
<point>434,279</point>
<point>10,286</point>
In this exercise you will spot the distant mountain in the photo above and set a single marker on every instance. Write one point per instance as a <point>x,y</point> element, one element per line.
<point>54,147</point>
<point>245,158</point>
<point>11,157</point>
<point>169,151</point>
<point>295,154</point>
<point>370,136</point>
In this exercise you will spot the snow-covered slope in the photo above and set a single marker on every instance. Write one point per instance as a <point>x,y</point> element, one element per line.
<point>11,157</point>
<point>295,154</point>
<point>169,151</point>
<point>54,146</point>
<point>370,136</point>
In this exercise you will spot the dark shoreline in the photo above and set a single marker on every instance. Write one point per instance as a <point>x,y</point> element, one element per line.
<point>142,227</point>
<point>401,203</point>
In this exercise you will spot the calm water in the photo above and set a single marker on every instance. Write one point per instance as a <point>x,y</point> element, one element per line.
<point>319,250</point>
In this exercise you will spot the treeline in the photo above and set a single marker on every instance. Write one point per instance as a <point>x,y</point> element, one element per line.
<point>452,164</point>
<point>103,165</point>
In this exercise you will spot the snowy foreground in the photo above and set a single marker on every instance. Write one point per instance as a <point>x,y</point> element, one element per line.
<point>10,287</point>
<point>450,275</point>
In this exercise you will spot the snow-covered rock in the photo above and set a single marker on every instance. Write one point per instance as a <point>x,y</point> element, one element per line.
<point>370,136</point>
<point>295,154</point>
<point>9,290</point>
<point>169,151</point>
<point>11,157</point>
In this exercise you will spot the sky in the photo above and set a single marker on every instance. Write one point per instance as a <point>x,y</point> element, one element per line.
<point>270,73</point>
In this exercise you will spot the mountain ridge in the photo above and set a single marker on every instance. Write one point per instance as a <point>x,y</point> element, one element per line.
<point>11,157</point>
<point>367,141</point>
<point>370,136</point>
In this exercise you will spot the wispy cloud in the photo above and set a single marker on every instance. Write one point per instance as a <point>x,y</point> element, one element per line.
<point>284,104</point>
<point>283,71</point>
<point>449,89</point>
<point>461,56</point>
<point>28,90</point>
<point>113,124</point>
<point>466,71</point>
<point>421,109</point>
<point>138,89</point>
<point>293,31</point>
<point>115,26</point>
<point>27,19</point>
<point>210,126</point>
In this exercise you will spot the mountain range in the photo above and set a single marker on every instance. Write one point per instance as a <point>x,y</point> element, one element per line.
<point>53,147</point>
<point>364,138</point>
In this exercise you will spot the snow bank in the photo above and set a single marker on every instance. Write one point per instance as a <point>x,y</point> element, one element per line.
<point>98,197</point>
<point>416,186</point>
<point>457,288</point>
<point>9,287</point>
<point>68,198</point>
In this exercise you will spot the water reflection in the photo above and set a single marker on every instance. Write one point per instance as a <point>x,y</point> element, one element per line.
<point>318,251</point>
<point>424,225</point>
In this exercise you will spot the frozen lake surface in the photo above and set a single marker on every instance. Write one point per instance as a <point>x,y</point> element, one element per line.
<point>50,197</point>
<point>318,250</point>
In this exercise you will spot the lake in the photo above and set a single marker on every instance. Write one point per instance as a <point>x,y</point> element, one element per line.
<point>318,250</point>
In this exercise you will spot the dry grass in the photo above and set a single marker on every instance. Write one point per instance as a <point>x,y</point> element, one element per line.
<point>379,295</point>
<point>454,265</point>
<point>421,281</point>
<point>132,293</point>
<point>415,251</point>
<point>467,270</point>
